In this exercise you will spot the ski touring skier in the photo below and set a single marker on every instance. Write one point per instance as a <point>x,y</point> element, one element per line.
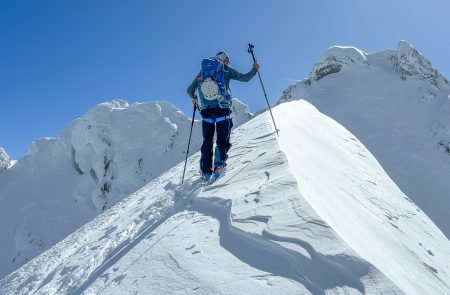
<point>211,85</point>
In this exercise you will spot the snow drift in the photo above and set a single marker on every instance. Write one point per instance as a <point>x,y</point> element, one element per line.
<point>312,213</point>
<point>397,104</point>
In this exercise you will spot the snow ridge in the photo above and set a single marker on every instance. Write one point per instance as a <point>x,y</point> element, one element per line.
<point>254,227</point>
<point>397,104</point>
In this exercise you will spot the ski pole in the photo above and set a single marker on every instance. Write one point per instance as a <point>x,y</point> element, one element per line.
<point>250,50</point>
<point>189,144</point>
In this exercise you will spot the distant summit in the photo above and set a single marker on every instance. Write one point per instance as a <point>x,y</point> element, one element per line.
<point>334,59</point>
<point>411,63</point>
<point>406,61</point>
<point>398,105</point>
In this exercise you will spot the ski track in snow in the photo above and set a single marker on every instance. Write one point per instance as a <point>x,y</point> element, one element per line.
<point>268,237</point>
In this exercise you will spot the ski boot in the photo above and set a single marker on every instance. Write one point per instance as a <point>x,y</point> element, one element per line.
<point>219,164</point>
<point>218,170</point>
<point>206,177</point>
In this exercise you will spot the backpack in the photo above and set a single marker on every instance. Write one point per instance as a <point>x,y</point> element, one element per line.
<point>212,80</point>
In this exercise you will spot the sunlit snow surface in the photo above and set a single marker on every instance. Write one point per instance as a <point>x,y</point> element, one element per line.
<point>309,212</point>
<point>397,104</point>
<point>95,162</point>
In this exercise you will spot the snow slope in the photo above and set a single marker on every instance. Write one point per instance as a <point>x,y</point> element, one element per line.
<point>99,159</point>
<point>310,213</point>
<point>398,105</point>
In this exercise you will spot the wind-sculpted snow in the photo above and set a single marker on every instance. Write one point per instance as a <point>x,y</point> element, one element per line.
<point>258,229</point>
<point>123,147</point>
<point>397,105</point>
<point>64,182</point>
<point>349,189</point>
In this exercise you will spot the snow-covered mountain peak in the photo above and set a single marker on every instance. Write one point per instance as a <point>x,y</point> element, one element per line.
<point>335,58</point>
<point>406,60</point>
<point>413,63</point>
<point>398,107</point>
<point>5,162</point>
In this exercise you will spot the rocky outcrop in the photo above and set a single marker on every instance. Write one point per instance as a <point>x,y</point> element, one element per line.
<point>5,162</point>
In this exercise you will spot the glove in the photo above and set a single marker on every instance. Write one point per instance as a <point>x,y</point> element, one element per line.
<point>195,101</point>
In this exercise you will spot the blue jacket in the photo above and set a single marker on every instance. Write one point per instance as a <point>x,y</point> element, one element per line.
<point>230,74</point>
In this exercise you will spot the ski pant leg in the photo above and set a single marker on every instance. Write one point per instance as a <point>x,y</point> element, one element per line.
<point>223,139</point>
<point>207,147</point>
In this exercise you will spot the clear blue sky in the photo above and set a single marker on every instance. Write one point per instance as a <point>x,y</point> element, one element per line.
<point>58,58</point>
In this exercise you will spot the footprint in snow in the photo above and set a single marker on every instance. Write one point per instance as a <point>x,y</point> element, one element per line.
<point>119,279</point>
<point>190,247</point>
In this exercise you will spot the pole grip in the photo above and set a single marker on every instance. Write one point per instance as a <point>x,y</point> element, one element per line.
<point>193,115</point>
<point>250,50</point>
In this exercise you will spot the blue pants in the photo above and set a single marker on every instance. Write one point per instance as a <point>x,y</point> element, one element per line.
<point>223,129</point>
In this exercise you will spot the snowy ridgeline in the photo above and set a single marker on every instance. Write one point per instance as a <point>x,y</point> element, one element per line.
<point>398,105</point>
<point>95,162</point>
<point>310,212</point>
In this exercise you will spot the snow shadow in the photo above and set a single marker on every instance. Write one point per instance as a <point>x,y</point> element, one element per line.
<point>317,273</point>
<point>114,256</point>
<point>182,198</point>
